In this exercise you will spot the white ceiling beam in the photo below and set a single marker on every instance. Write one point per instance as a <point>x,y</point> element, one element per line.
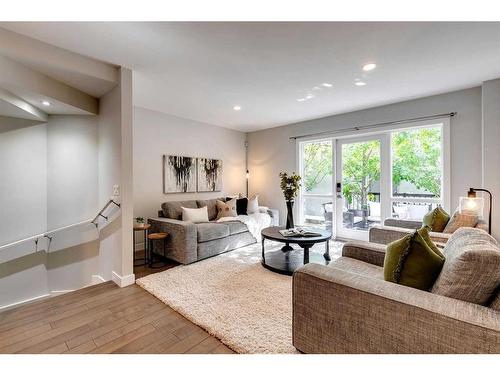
<point>26,109</point>
<point>25,49</point>
<point>15,75</point>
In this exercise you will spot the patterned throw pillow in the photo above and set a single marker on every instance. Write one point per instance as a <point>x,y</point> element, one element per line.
<point>227,209</point>
<point>413,261</point>
<point>459,220</point>
<point>436,220</point>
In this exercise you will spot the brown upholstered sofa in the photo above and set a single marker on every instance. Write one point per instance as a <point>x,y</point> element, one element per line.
<point>347,307</point>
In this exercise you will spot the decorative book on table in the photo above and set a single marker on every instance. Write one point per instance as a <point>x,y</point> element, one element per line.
<point>298,232</point>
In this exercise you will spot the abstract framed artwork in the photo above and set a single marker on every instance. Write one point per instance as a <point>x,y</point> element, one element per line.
<point>209,174</point>
<point>179,174</point>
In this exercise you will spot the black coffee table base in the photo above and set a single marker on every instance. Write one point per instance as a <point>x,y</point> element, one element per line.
<point>287,259</point>
<point>286,263</point>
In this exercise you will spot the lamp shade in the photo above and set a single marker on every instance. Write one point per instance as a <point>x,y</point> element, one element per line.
<point>471,206</point>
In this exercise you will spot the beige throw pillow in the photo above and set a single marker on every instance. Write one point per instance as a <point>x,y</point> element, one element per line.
<point>253,204</point>
<point>195,215</point>
<point>471,271</point>
<point>227,209</point>
<point>459,220</point>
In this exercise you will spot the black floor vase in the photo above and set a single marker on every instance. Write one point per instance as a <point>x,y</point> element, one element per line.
<point>289,215</point>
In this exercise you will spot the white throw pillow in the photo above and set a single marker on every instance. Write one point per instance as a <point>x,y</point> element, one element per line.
<point>253,204</point>
<point>195,215</point>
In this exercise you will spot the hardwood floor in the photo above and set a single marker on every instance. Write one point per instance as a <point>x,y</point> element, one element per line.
<point>102,319</point>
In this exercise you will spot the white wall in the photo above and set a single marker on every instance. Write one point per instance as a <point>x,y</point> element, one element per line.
<point>72,177</point>
<point>157,134</point>
<point>491,149</point>
<point>23,181</point>
<point>51,181</point>
<point>271,151</point>
<point>115,168</point>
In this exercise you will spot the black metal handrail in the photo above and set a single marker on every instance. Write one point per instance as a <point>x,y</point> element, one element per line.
<point>100,213</point>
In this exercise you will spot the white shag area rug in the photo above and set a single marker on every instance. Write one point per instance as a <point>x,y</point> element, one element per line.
<point>234,298</point>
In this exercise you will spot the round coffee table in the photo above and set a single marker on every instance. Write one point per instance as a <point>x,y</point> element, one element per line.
<point>286,261</point>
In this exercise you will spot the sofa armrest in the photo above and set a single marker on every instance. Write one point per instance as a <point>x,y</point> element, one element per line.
<point>408,224</point>
<point>382,234</point>
<point>335,311</point>
<point>182,241</point>
<point>368,252</point>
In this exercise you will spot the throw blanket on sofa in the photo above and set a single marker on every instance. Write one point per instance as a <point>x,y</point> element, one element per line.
<point>254,222</point>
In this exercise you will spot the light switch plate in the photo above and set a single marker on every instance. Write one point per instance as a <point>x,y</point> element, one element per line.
<point>116,190</point>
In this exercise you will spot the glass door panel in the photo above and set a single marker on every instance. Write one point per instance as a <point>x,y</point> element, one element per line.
<point>359,201</point>
<point>316,195</point>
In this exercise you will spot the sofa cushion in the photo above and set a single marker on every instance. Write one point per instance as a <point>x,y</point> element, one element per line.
<point>195,215</point>
<point>227,209</point>
<point>413,261</point>
<point>253,204</point>
<point>460,220</point>
<point>358,267</point>
<point>241,206</point>
<point>173,210</point>
<point>471,271</point>
<point>436,220</point>
<point>211,231</point>
<point>211,206</point>
<point>236,227</point>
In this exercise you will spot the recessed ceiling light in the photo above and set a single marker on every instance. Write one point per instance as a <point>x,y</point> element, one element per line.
<point>326,85</point>
<point>309,96</point>
<point>301,99</point>
<point>46,103</point>
<point>237,107</point>
<point>316,88</point>
<point>368,67</point>
<point>360,83</point>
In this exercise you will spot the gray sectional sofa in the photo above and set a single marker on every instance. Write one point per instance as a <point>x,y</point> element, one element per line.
<point>188,242</point>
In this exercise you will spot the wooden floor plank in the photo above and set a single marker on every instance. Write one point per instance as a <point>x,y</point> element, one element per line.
<point>102,319</point>
<point>84,348</point>
<point>206,346</point>
<point>123,340</point>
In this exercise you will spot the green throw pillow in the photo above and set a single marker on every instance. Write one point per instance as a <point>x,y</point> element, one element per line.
<point>413,261</point>
<point>436,220</point>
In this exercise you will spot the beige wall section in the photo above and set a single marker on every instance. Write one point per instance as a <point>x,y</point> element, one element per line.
<point>115,168</point>
<point>14,76</point>
<point>157,134</point>
<point>491,149</point>
<point>127,175</point>
<point>271,151</point>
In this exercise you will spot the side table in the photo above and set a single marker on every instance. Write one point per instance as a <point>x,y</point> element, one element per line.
<point>142,228</point>
<point>159,236</point>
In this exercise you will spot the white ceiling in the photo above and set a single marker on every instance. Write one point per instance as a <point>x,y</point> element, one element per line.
<point>201,70</point>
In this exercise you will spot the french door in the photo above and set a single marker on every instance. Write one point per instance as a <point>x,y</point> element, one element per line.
<point>361,188</point>
<point>351,183</point>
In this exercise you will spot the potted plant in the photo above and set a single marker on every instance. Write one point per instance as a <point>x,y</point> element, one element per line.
<point>139,221</point>
<point>290,185</point>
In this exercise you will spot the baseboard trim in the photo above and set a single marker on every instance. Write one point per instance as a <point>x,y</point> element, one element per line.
<point>97,279</point>
<point>122,281</point>
<point>19,303</point>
